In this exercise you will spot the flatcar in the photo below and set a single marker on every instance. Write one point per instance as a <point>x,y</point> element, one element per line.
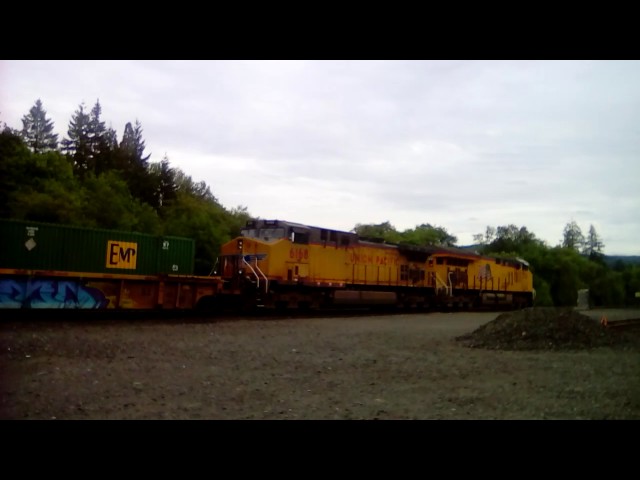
<point>51,266</point>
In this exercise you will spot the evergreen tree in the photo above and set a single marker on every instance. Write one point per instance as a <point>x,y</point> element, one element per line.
<point>37,130</point>
<point>98,148</point>
<point>166,185</point>
<point>133,145</point>
<point>139,144</point>
<point>78,145</point>
<point>106,160</point>
<point>593,245</point>
<point>134,163</point>
<point>127,145</point>
<point>111,138</point>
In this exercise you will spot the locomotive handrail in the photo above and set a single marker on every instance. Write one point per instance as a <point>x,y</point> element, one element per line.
<point>446,287</point>
<point>254,272</point>
<point>266,280</point>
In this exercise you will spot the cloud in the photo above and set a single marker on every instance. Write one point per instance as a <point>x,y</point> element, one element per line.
<point>461,144</point>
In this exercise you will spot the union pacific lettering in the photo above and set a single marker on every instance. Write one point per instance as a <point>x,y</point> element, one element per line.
<point>372,259</point>
<point>122,254</point>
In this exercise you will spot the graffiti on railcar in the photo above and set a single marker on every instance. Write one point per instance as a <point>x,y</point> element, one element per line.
<point>50,294</point>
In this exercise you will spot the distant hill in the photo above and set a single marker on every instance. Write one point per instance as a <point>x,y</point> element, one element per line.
<point>611,260</point>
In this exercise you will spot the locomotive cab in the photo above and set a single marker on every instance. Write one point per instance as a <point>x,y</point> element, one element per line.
<point>260,253</point>
<point>285,263</point>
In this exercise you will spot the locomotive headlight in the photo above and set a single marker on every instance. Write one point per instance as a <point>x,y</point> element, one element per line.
<point>240,245</point>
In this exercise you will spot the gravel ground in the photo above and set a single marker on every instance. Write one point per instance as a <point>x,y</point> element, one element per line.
<point>406,366</point>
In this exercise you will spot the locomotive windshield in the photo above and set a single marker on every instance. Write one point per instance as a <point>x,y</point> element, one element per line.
<point>264,234</point>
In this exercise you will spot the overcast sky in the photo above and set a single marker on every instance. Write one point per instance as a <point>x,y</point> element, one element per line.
<point>458,144</point>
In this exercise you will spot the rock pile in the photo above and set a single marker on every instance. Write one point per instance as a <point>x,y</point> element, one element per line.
<point>547,329</point>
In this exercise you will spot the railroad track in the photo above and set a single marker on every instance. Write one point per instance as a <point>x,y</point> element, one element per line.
<point>195,316</point>
<point>626,323</point>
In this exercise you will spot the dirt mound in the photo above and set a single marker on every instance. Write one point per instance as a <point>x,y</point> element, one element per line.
<point>547,329</point>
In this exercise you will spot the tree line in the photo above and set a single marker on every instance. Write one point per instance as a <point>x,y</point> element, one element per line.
<point>576,263</point>
<point>90,179</point>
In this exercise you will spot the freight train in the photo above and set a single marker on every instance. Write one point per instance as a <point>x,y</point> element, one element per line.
<point>273,264</point>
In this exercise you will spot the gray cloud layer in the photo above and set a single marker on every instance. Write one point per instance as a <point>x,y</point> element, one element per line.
<point>462,144</point>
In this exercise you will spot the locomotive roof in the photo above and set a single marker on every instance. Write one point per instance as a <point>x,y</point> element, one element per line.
<point>260,222</point>
<point>417,249</point>
<point>440,250</point>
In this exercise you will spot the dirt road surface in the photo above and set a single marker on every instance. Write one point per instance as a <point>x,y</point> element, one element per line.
<point>383,367</point>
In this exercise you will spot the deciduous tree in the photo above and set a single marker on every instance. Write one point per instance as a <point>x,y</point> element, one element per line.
<point>381,231</point>
<point>572,236</point>
<point>487,237</point>
<point>427,234</point>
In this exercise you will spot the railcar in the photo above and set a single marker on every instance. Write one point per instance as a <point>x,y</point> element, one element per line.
<point>469,279</point>
<point>50,266</point>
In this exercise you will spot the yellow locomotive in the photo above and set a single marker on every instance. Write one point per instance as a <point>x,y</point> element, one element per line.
<point>276,263</point>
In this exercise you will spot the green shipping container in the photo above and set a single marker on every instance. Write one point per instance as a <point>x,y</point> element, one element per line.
<point>43,246</point>
<point>176,255</point>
